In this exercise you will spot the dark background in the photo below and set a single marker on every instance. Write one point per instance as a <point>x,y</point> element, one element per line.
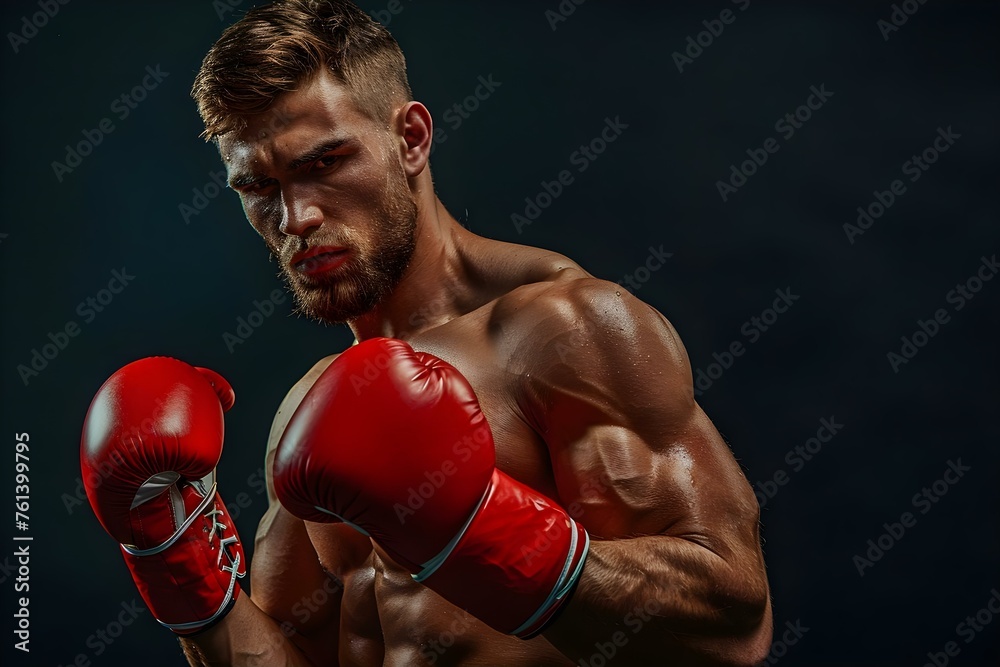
<point>656,185</point>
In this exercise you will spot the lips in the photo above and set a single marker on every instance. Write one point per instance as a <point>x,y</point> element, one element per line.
<point>319,259</point>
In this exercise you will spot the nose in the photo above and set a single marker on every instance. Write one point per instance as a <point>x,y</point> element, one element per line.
<point>299,213</point>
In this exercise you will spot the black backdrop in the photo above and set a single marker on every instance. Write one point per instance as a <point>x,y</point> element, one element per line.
<point>886,93</point>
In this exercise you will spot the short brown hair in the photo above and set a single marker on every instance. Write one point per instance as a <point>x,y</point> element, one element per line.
<point>274,48</point>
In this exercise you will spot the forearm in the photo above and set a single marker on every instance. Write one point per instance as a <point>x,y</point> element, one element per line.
<point>246,637</point>
<point>667,599</point>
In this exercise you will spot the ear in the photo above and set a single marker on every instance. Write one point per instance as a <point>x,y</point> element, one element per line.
<point>415,129</point>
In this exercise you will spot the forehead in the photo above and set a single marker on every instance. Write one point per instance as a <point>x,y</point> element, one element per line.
<point>321,107</point>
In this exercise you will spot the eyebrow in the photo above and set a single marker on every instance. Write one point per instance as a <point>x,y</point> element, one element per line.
<point>241,180</point>
<point>315,153</point>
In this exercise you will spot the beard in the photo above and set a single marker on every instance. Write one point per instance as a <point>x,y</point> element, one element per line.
<point>379,255</point>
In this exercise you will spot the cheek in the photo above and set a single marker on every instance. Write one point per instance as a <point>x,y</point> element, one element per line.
<point>264,217</point>
<point>360,194</point>
<point>369,182</point>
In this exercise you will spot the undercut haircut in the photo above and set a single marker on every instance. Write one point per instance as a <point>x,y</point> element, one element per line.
<point>275,48</point>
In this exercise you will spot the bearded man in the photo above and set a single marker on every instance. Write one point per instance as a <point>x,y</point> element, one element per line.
<point>509,467</point>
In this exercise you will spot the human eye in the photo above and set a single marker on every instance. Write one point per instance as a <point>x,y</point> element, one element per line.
<point>326,162</point>
<point>258,187</point>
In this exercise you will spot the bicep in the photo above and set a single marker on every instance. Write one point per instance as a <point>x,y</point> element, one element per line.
<point>630,480</point>
<point>625,481</point>
<point>632,452</point>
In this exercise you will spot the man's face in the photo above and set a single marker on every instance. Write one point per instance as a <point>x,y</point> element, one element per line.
<point>323,185</point>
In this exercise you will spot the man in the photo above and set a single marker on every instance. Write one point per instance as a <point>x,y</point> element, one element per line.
<point>613,490</point>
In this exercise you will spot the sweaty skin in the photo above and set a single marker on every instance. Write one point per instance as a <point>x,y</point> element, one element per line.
<point>589,395</point>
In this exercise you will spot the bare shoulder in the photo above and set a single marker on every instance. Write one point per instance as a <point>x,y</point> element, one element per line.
<point>576,314</point>
<point>605,381</point>
<point>585,352</point>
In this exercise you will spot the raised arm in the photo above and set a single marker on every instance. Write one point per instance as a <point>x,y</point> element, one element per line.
<point>675,573</point>
<point>292,618</point>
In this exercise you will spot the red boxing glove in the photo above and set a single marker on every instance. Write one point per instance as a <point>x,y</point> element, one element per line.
<point>151,441</point>
<point>394,443</point>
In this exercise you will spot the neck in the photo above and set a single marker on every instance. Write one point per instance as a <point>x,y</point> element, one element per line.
<point>434,286</point>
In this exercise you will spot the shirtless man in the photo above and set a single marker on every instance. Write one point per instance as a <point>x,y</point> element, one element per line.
<point>619,525</point>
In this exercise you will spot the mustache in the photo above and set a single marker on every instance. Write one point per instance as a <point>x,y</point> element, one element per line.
<point>292,247</point>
